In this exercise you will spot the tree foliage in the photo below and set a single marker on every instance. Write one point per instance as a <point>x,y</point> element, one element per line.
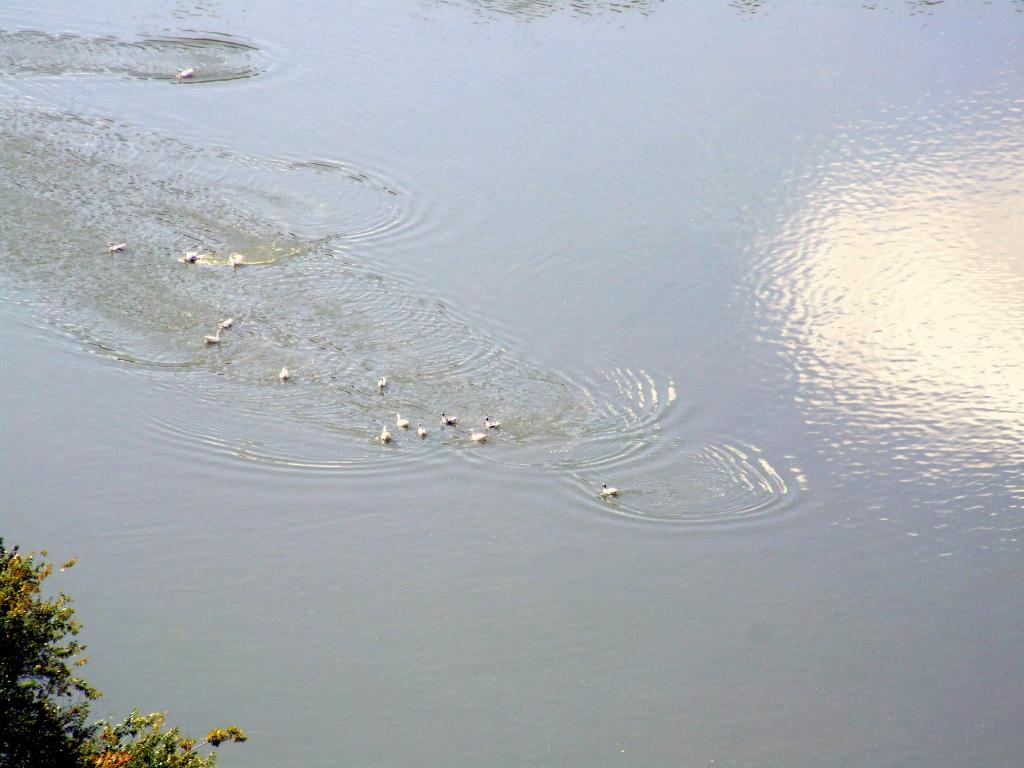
<point>44,704</point>
<point>139,740</point>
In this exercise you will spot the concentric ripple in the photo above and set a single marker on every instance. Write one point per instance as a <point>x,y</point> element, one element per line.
<point>70,186</point>
<point>302,299</point>
<point>721,482</point>
<point>213,57</point>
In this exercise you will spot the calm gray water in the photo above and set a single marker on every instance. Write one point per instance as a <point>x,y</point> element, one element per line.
<point>759,265</point>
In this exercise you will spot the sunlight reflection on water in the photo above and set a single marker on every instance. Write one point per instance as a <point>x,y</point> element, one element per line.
<point>895,287</point>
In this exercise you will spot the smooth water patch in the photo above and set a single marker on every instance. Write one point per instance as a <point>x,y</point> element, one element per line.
<point>212,57</point>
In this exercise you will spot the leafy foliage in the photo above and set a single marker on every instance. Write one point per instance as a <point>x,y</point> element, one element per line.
<point>140,740</point>
<point>44,705</point>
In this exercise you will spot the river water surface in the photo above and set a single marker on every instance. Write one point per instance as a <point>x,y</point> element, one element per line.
<point>758,265</point>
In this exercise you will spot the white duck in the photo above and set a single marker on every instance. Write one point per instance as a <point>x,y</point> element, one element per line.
<point>284,375</point>
<point>190,257</point>
<point>448,421</point>
<point>186,73</point>
<point>385,436</point>
<point>214,339</point>
<point>400,422</point>
<point>225,324</point>
<point>237,260</point>
<point>478,437</point>
<point>421,430</point>
<point>607,492</point>
<point>489,423</point>
<point>117,247</point>
<point>382,382</point>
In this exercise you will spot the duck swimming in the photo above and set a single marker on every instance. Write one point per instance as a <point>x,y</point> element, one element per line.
<point>284,375</point>
<point>225,324</point>
<point>606,492</point>
<point>421,430</point>
<point>186,73</point>
<point>237,260</point>
<point>385,436</point>
<point>400,422</point>
<point>214,339</point>
<point>491,424</point>
<point>478,437</point>
<point>382,382</point>
<point>448,421</point>
<point>117,247</point>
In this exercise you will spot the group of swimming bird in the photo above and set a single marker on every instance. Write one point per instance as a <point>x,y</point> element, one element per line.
<point>446,421</point>
<point>191,257</point>
<point>605,492</point>
<point>237,260</point>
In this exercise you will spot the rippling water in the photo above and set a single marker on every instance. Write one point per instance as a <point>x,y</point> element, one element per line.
<point>757,265</point>
<point>893,286</point>
<point>302,299</point>
<point>212,58</point>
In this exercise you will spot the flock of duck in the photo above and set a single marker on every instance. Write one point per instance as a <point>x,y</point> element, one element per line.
<point>446,421</point>
<point>489,424</point>
<point>236,260</point>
